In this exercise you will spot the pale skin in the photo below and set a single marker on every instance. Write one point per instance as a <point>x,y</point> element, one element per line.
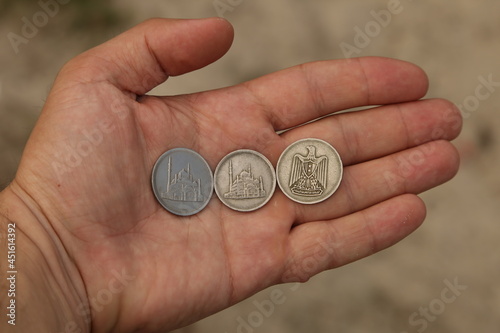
<point>83,221</point>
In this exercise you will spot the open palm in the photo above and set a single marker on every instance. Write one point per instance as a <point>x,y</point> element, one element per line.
<point>88,167</point>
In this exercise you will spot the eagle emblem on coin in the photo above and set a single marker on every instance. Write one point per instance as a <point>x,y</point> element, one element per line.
<point>309,172</point>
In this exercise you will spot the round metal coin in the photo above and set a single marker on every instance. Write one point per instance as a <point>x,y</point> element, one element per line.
<point>182,181</point>
<point>309,171</point>
<point>245,180</point>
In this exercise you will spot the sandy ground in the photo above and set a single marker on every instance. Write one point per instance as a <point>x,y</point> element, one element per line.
<point>455,41</point>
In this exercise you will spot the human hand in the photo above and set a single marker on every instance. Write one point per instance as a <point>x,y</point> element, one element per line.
<point>86,172</point>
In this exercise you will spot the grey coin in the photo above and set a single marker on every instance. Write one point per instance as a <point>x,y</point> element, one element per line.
<point>309,171</point>
<point>245,180</point>
<point>182,181</point>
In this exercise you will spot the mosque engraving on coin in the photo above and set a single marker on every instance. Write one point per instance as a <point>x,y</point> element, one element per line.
<point>244,185</point>
<point>182,186</point>
<point>244,180</point>
<point>182,181</point>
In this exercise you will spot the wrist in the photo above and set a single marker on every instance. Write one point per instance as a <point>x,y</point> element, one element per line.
<point>44,290</point>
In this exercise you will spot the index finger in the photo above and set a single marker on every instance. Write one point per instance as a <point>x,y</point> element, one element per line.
<point>303,93</point>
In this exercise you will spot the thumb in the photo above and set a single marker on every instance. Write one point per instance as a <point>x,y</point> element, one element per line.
<point>145,56</point>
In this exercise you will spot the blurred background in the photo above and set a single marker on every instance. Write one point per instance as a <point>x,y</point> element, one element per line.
<point>443,278</point>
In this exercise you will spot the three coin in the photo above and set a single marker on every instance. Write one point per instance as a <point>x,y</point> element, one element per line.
<point>309,171</point>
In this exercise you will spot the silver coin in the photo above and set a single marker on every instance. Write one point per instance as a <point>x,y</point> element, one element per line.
<point>309,171</point>
<point>245,180</point>
<point>182,182</point>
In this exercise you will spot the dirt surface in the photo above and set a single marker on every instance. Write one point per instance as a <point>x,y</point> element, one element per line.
<point>455,41</point>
